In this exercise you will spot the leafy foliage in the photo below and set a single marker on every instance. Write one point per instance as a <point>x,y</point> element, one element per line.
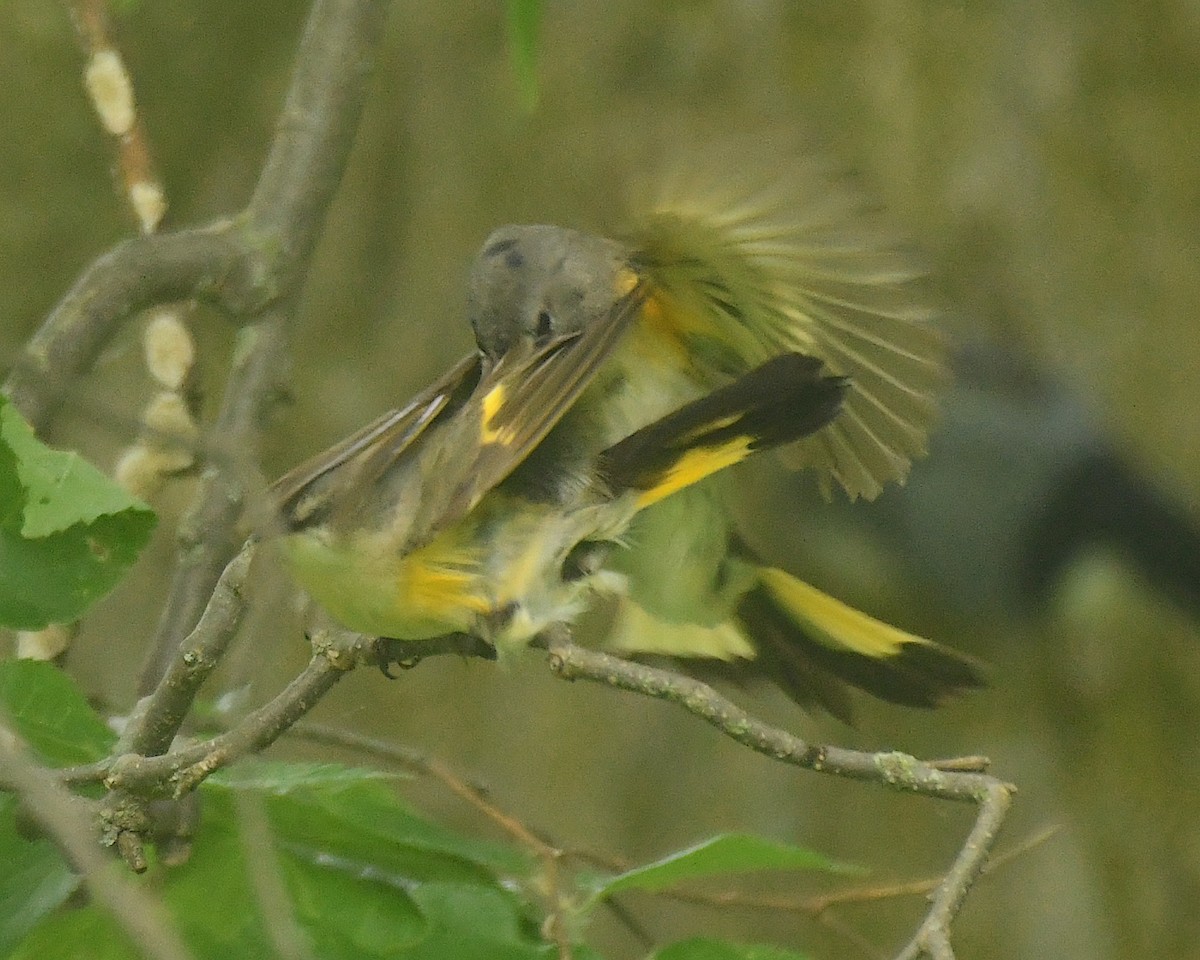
<point>720,855</point>
<point>44,706</point>
<point>67,532</point>
<point>364,874</point>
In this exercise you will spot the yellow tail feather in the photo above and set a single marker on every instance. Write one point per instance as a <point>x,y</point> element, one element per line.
<point>839,624</point>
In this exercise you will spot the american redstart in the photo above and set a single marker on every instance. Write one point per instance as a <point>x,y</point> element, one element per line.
<point>475,508</point>
<point>411,542</point>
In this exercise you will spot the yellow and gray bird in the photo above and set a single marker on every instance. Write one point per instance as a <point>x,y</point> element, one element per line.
<point>397,533</point>
<point>450,514</point>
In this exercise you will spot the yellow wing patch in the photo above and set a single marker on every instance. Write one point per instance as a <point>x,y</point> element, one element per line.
<point>694,466</point>
<point>662,326</point>
<point>626,281</point>
<point>493,403</point>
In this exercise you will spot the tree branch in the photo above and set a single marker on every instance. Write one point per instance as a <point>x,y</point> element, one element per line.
<point>208,533</point>
<point>316,129</point>
<point>895,770</point>
<point>159,716</point>
<point>282,222</point>
<point>181,770</point>
<point>252,266</point>
<point>244,264</point>
<point>136,274</point>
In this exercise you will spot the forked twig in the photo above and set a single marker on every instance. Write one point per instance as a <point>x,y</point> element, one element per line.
<point>895,770</point>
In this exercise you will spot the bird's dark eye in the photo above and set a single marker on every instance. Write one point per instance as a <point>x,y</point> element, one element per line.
<point>514,259</point>
<point>499,247</point>
<point>545,327</point>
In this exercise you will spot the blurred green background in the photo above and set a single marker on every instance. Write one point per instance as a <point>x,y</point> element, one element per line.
<point>1041,154</point>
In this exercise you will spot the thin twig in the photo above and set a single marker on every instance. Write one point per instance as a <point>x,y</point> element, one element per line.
<point>427,766</point>
<point>895,770</point>
<point>907,888</point>
<point>302,171</point>
<point>160,716</point>
<point>111,90</point>
<point>157,718</point>
<point>133,779</point>
<point>183,769</point>
<point>244,264</point>
<point>408,653</point>
<point>288,938</point>
<point>820,906</point>
<point>168,347</point>
<point>933,936</point>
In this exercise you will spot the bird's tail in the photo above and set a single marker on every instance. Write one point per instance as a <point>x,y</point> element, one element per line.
<point>813,646</point>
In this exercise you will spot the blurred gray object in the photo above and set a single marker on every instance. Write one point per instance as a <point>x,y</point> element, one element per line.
<point>1021,481</point>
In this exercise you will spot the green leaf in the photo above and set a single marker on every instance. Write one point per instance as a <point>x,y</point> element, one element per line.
<point>374,916</point>
<point>726,853</point>
<point>469,922</point>
<point>352,816</point>
<point>524,19</point>
<point>34,880</point>
<point>50,713</point>
<point>356,909</point>
<point>62,489</point>
<point>84,932</point>
<point>42,705</point>
<point>702,948</point>
<point>67,532</point>
<point>210,899</point>
<point>281,778</point>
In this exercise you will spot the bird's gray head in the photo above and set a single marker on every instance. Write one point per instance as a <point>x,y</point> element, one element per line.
<point>536,283</point>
